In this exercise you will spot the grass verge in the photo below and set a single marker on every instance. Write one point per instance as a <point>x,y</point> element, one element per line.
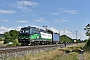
<point>72,56</point>
<point>54,54</point>
<point>87,55</point>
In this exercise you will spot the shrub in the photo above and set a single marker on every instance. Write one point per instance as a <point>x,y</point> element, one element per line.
<point>1,39</point>
<point>11,45</point>
<point>87,45</point>
<point>14,43</point>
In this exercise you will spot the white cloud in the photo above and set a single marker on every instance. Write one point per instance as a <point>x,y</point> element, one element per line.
<point>54,13</point>
<point>4,29</point>
<point>18,28</point>
<point>7,11</point>
<point>54,30</point>
<point>69,11</point>
<point>64,19</point>
<point>22,21</point>
<point>57,21</point>
<point>5,20</point>
<point>24,4</point>
<point>41,20</point>
<point>68,33</point>
<point>80,34</point>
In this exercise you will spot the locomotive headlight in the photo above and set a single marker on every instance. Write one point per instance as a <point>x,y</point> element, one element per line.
<point>37,36</point>
<point>29,37</point>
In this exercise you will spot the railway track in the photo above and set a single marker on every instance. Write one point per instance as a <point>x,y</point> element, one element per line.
<point>8,49</point>
<point>12,52</point>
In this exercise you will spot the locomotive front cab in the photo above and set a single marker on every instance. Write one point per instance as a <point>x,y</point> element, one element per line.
<point>24,35</point>
<point>28,35</point>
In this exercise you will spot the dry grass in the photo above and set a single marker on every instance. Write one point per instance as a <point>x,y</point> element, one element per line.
<point>87,55</point>
<point>76,46</point>
<point>54,54</point>
<point>48,55</point>
<point>72,56</point>
<point>1,42</point>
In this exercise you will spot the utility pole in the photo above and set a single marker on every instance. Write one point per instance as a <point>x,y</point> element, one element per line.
<point>59,33</point>
<point>76,35</point>
<point>59,36</point>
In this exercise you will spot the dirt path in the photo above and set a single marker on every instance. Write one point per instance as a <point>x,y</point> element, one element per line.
<point>81,57</point>
<point>64,56</point>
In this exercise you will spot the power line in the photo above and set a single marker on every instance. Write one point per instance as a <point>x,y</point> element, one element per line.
<point>24,16</point>
<point>15,13</point>
<point>35,10</point>
<point>41,15</point>
<point>27,17</point>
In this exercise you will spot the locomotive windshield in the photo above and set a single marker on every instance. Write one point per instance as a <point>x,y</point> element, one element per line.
<point>31,30</point>
<point>24,30</point>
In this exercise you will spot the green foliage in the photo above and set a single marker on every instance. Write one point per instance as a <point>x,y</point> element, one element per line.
<point>11,45</point>
<point>78,40</point>
<point>14,34</point>
<point>8,39</point>
<point>65,38</point>
<point>1,39</point>
<point>10,36</point>
<point>87,46</point>
<point>15,43</point>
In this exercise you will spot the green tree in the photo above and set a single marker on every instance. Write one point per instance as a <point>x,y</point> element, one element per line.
<point>65,38</point>
<point>6,34</point>
<point>7,37</point>
<point>10,36</point>
<point>14,34</point>
<point>87,45</point>
<point>1,39</point>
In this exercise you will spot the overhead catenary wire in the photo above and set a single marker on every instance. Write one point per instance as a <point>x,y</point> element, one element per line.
<point>39,13</point>
<point>33,10</point>
<point>27,17</point>
<point>16,13</point>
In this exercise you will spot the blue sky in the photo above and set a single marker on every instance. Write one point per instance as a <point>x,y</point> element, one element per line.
<point>66,16</point>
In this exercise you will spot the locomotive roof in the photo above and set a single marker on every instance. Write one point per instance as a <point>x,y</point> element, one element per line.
<point>29,27</point>
<point>41,30</point>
